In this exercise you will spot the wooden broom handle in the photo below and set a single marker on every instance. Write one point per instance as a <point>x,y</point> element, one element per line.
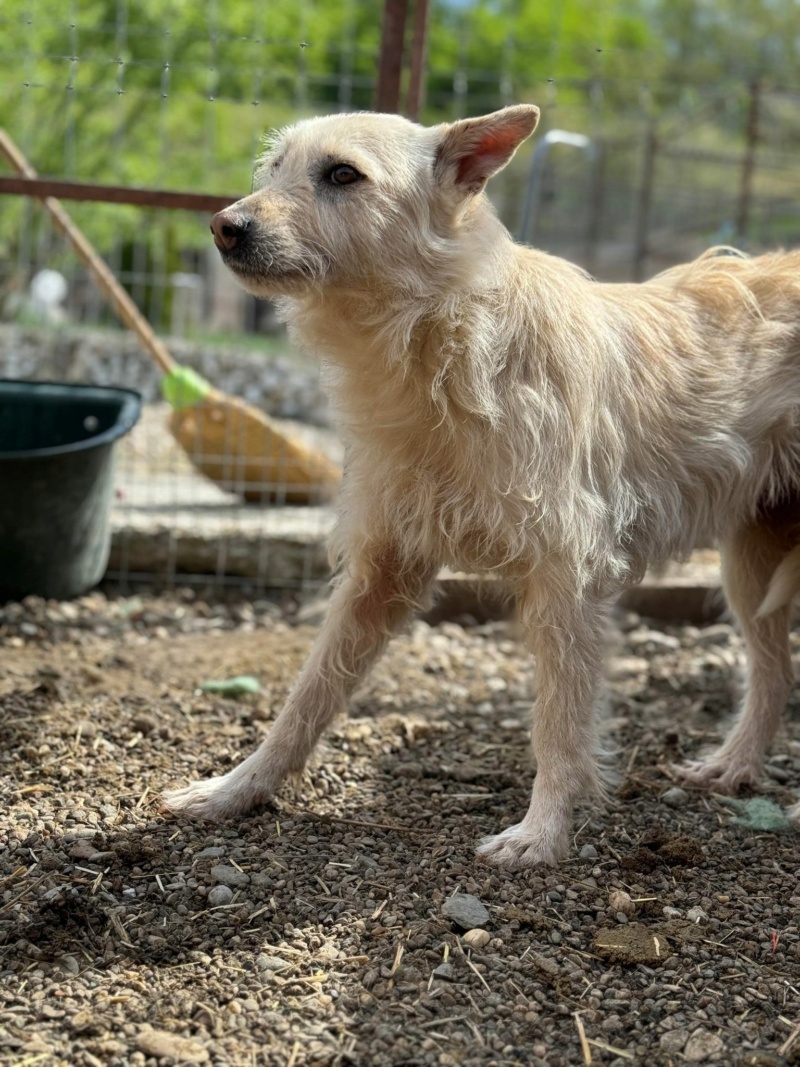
<point>123,305</point>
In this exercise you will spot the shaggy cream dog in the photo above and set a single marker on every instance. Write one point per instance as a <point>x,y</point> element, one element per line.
<point>504,412</point>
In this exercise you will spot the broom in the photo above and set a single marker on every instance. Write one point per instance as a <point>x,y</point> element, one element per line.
<point>238,447</point>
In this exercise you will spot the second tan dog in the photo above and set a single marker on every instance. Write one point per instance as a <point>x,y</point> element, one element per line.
<point>504,412</point>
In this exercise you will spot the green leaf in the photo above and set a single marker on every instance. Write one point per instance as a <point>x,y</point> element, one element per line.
<point>242,685</point>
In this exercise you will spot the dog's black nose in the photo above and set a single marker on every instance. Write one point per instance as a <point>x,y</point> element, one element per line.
<point>228,228</point>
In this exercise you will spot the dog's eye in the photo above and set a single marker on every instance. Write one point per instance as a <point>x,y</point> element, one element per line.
<point>344,174</point>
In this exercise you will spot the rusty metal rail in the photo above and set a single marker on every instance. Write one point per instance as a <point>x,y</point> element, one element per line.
<point>41,188</point>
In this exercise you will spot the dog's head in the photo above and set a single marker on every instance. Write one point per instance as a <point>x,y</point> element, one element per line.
<point>345,199</point>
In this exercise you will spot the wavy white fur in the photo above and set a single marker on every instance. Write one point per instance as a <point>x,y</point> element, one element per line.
<point>504,412</point>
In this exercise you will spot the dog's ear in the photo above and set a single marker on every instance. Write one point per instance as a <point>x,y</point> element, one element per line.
<point>472,150</point>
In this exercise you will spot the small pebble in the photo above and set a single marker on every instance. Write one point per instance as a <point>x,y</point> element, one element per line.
<point>476,938</point>
<point>675,797</point>
<point>720,634</point>
<point>143,724</point>
<point>671,913</point>
<point>777,774</point>
<point>653,641</point>
<point>696,915</point>
<point>620,901</point>
<point>546,964</point>
<point>588,852</point>
<point>219,895</point>
<point>229,875</point>
<point>466,911</point>
<point>673,1042</point>
<point>622,667</point>
<point>702,1046</point>
<point>160,1044</point>
<point>446,971</point>
<point>270,963</point>
<point>83,849</point>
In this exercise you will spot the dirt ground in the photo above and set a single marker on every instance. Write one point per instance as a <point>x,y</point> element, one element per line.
<point>314,932</point>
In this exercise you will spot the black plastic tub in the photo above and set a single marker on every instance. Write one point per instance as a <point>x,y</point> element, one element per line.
<point>56,484</point>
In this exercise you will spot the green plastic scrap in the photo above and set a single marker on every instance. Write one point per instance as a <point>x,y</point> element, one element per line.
<point>758,813</point>
<point>184,387</point>
<point>243,684</point>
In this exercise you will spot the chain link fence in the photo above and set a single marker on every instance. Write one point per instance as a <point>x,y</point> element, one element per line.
<point>663,165</point>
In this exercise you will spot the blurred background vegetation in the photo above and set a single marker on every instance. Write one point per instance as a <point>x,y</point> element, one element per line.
<point>682,94</point>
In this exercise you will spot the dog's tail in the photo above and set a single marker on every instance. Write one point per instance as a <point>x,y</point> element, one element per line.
<point>784,584</point>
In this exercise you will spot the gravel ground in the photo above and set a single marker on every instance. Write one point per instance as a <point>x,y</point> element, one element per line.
<point>329,929</point>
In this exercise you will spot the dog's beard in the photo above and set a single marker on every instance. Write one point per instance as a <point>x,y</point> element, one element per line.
<point>266,275</point>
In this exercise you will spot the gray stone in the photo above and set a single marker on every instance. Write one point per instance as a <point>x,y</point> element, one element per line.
<point>545,964</point>
<point>219,895</point>
<point>702,1046</point>
<point>653,641</point>
<point>212,852</point>
<point>446,971</point>
<point>466,911</point>
<point>696,915</point>
<point>83,849</point>
<point>101,857</point>
<point>620,901</point>
<point>270,963</point>
<point>622,667</point>
<point>720,634</point>
<point>675,797</point>
<point>588,852</point>
<point>673,1042</point>
<point>163,1045</point>
<point>229,876</point>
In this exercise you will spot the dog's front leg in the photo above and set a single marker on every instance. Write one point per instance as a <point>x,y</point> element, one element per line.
<point>368,606</point>
<point>568,646</point>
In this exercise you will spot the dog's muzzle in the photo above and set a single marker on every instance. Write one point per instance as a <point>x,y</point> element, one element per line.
<point>229,229</point>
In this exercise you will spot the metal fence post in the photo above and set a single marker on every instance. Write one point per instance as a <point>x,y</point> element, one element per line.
<point>390,69</point>
<point>416,77</point>
<point>641,249</point>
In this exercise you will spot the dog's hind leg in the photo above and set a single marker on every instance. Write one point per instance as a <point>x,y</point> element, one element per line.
<point>569,650</point>
<point>750,558</point>
<point>366,609</point>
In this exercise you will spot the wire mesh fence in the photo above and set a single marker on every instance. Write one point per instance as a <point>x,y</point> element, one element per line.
<point>683,147</point>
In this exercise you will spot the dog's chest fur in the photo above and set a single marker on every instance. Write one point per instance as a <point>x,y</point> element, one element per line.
<point>608,427</point>
<point>439,473</point>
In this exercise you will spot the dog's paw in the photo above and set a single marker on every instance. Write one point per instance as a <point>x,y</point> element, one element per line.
<point>213,799</point>
<point>720,774</point>
<point>517,848</point>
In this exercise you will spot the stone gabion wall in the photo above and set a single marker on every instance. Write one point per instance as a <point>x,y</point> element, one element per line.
<point>285,385</point>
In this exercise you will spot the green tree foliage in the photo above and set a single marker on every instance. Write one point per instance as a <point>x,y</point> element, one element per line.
<point>176,93</point>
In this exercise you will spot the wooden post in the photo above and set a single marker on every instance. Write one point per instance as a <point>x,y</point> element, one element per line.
<point>748,163</point>
<point>645,203</point>
<point>416,80</point>
<point>387,93</point>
